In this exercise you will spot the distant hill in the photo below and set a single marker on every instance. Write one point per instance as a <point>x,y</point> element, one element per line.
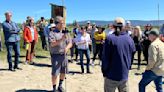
<point>134,22</point>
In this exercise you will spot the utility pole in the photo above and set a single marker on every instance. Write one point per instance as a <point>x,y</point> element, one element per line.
<point>158,14</point>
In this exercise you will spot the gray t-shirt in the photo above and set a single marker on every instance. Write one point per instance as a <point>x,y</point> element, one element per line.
<point>55,36</point>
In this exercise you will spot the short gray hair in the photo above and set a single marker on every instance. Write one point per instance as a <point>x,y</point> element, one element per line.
<point>8,12</point>
<point>59,18</point>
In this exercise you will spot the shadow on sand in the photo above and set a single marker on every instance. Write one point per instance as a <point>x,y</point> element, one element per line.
<point>138,74</point>
<point>32,90</point>
<point>41,65</point>
<point>3,69</point>
<point>41,57</point>
<point>141,64</point>
<point>21,56</point>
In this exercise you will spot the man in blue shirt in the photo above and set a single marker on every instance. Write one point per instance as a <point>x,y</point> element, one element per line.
<point>12,38</point>
<point>117,55</point>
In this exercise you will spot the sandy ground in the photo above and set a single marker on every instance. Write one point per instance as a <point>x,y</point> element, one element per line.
<point>37,78</point>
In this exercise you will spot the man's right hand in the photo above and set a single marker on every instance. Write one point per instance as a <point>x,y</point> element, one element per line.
<point>55,43</point>
<point>63,37</point>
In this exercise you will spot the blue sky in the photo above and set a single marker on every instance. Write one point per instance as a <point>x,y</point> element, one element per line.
<point>84,9</point>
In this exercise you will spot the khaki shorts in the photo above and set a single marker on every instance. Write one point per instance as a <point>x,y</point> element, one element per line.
<point>111,85</point>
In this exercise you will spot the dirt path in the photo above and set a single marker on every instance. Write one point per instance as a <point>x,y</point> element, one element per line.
<point>37,78</point>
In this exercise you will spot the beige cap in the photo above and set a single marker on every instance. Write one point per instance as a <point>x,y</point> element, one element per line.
<point>154,31</point>
<point>119,20</point>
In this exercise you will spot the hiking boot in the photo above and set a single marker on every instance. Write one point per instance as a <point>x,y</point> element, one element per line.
<point>60,89</point>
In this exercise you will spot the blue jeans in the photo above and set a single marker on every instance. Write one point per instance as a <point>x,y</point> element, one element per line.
<point>149,76</point>
<point>87,54</point>
<point>72,51</point>
<point>16,47</point>
<point>93,46</point>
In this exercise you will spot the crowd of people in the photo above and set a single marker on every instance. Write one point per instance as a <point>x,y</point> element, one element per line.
<point>115,45</point>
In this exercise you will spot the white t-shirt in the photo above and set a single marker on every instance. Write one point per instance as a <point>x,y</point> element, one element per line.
<point>32,32</point>
<point>80,39</point>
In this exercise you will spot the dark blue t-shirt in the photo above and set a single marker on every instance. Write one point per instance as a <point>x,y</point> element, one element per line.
<point>117,56</point>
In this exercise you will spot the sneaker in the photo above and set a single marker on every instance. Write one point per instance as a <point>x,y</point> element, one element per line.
<point>70,61</point>
<point>82,72</point>
<point>12,70</point>
<point>31,63</point>
<point>92,64</point>
<point>17,68</point>
<point>60,89</point>
<point>26,62</point>
<point>88,72</point>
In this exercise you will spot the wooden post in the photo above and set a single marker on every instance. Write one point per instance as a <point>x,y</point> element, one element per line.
<point>57,10</point>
